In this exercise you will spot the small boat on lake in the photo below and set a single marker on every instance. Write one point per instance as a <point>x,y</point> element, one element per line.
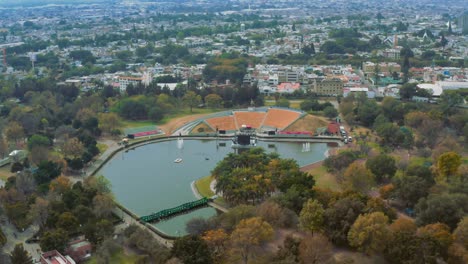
<point>179,160</point>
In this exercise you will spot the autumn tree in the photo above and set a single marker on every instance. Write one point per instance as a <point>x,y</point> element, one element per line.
<point>103,205</point>
<point>14,132</point>
<point>276,215</point>
<point>191,99</point>
<point>369,233</point>
<point>249,235</point>
<point>20,256</point>
<point>311,216</point>
<point>458,252</point>
<point>439,234</point>
<point>316,249</point>
<point>216,241</point>
<point>60,184</point>
<point>448,163</point>
<point>73,148</point>
<point>358,178</point>
<point>39,211</point>
<point>108,122</point>
<point>213,100</point>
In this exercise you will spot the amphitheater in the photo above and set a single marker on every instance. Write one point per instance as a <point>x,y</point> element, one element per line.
<point>262,119</point>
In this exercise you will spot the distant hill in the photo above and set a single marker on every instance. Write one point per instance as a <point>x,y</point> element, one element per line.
<point>31,3</point>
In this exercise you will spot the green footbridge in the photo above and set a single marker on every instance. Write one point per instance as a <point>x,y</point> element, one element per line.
<point>176,210</point>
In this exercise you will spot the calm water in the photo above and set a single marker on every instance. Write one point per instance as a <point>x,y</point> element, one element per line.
<point>146,180</point>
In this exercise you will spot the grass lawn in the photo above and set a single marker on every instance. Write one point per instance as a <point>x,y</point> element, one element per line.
<point>5,172</point>
<point>323,179</point>
<point>102,147</point>
<point>120,257</point>
<point>203,186</point>
<point>167,118</point>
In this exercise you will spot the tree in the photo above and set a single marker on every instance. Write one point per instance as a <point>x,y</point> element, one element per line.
<point>330,112</point>
<point>316,249</point>
<point>311,216</point>
<point>216,241</point>
<point>379,17</point>
<point>14,132</point>
<point>38,141</point>
<point>382,166</point>
<point>213,100</point>
<point>276,215</point>
<point>108,122</point>
<point>55,239</point>
<point>39,211</point>
<point>410,189</point>
<point>249,234</point>
<point>448,102</point>
<point>309,49</point>
<point>369,233</point>
<point>67,221</point>
<point>340,216</point>
<point>408,90</point>
<point>439,234</point>
<point>191,99</point>
<point>191,250</point>
<point>20,256</point>
<point>60,184</point>
<point>358,178</point>
<point>73,148</point>
<point>461,232</point>
<point>448,209</point>
<point>103,205</point>
<point>198,226</point>
<point>283,102</point>
<point>448,164</point>
<point>99,183</point>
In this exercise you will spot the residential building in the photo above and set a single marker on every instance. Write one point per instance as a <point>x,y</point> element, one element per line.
<point>288,87</point>
<point>79,250</point>
<point>328,86</point>
<point>54,257</point>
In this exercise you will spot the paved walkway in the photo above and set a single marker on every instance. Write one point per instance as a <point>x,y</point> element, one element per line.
<point>16,237</point>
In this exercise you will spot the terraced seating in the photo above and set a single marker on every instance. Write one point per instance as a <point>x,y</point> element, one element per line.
<point>280,118</point>
<point>222,123</point>
<point>253,119</point>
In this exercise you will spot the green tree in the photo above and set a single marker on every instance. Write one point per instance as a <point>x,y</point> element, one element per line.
<point>191,250</point>
<point>55,239</point>
<point>38,141</point>
<point>448,209</point>
<point>409,189</point>
<point>369,233</point>
<point>382,166</point>
<point>191,99</point>
<point>67,221</point>
<point>330,112</point>
<point>340,216</point>
<point>20,256</point>
<point>283,102</point>
<point>311,216</point>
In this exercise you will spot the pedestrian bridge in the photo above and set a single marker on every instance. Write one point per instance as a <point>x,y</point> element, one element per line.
<point>174,211</point>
